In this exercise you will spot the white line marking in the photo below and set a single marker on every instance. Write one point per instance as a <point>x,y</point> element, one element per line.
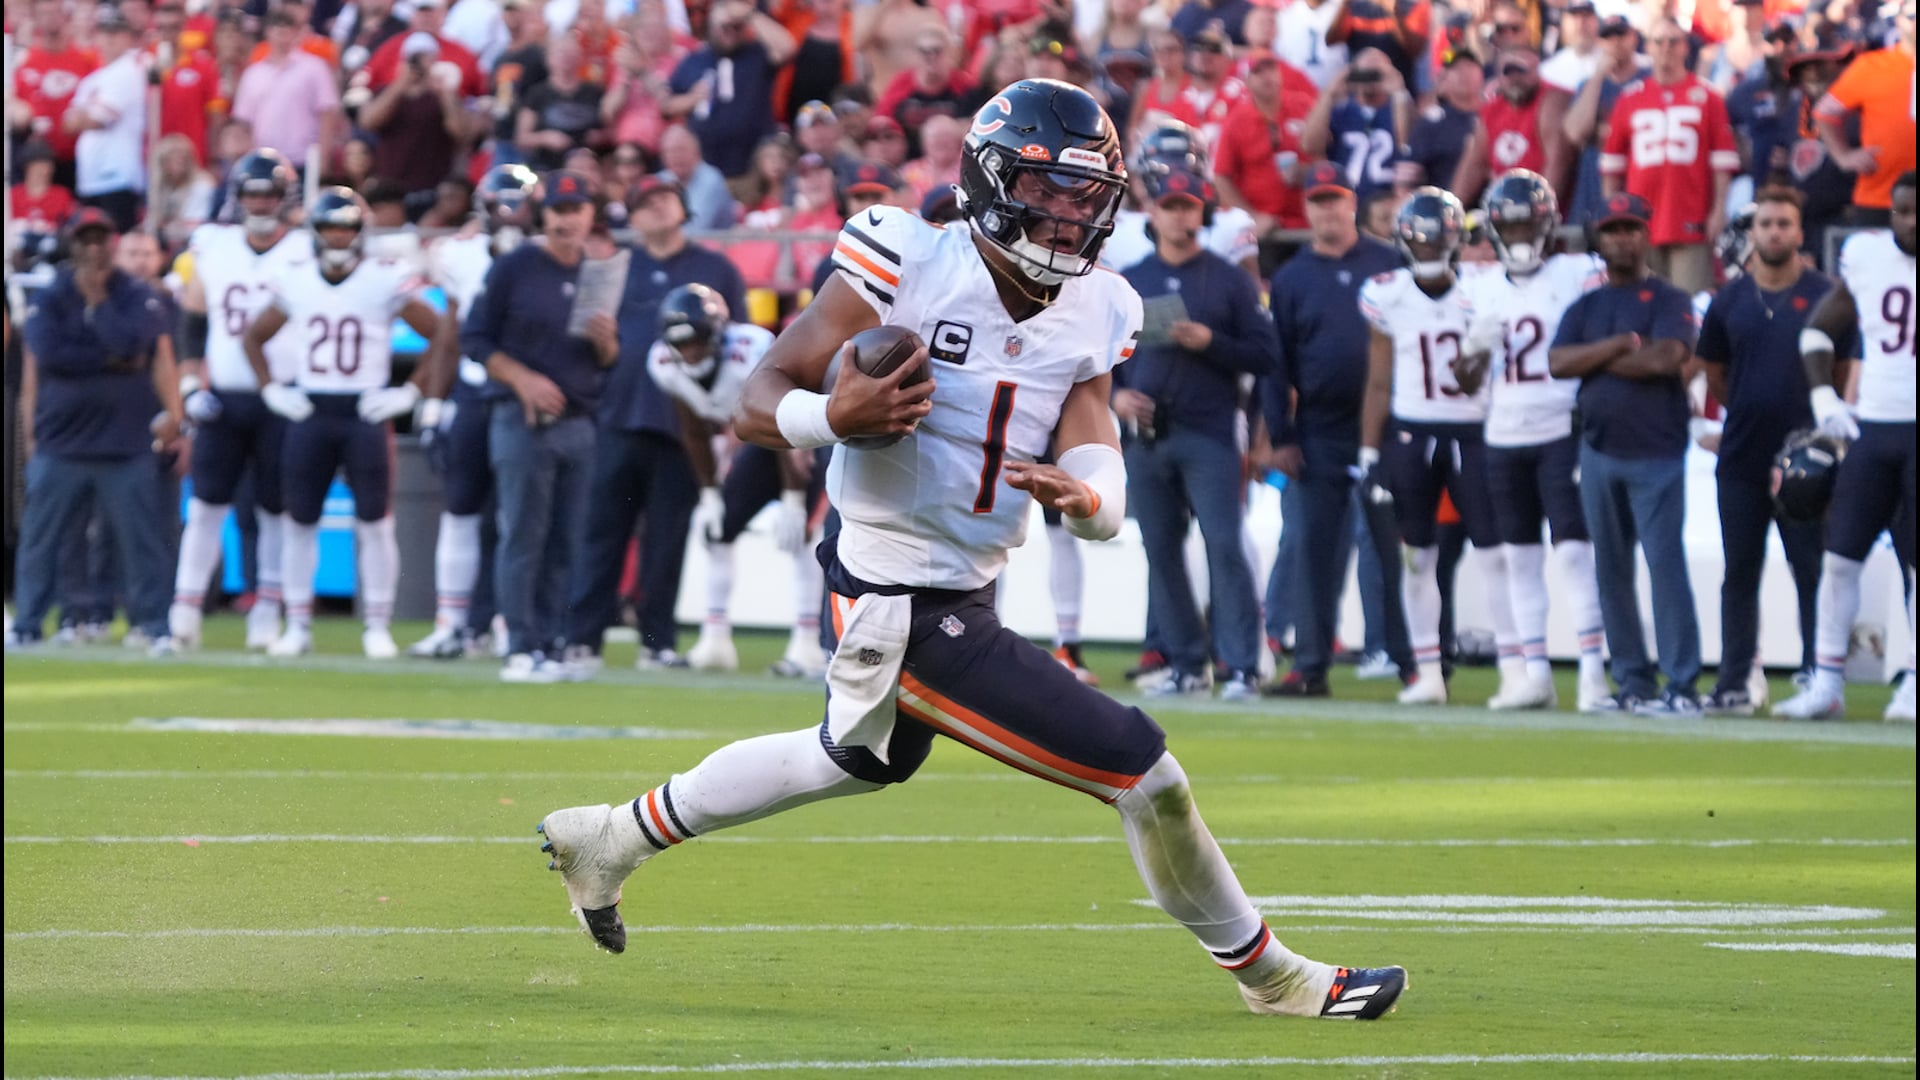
<point>1582,911</point>
<point>397,728</point>
<point>1006,776</point>
<point>957,1063</point>
<point>873,928</point>
<point>1892,952</point>
<point>1256,841</point>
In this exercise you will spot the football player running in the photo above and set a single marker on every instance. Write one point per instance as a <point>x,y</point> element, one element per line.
<point>1030,336</point>
<point>1420,425</point>
<point>456,428</point>
<point>338,404</point>
<point>1533,455</point>
<point>702,360</point>
<point>234,432</point>
<point>1874,491</point>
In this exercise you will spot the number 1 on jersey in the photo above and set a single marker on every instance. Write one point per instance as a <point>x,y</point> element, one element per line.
<point>995,446</point>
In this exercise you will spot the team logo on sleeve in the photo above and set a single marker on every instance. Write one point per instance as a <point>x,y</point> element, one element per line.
<point>951,341</point>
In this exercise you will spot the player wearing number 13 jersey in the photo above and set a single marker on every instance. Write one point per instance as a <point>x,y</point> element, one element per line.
<point>1023,332</point>
<point>1874,489</point>
<point>1420,429</point>
<point>1533,455</point>
<point>339,308</point>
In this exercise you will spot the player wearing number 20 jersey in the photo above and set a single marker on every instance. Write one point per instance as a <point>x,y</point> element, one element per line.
<point>339,309</point>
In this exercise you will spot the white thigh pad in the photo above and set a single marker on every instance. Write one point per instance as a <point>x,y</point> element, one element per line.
<point>864,675</point>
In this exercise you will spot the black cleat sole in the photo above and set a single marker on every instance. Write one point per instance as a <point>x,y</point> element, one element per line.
<point>608,931</point>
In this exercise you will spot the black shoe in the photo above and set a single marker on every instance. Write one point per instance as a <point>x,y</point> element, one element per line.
<point>1727,703</point>
<point>1364,993</point>
<point>1297,685</point>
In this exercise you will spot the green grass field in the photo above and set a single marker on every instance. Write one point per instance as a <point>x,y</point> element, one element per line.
<point>1573,896</point>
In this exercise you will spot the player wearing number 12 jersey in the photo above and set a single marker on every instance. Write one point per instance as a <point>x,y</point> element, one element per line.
<point>1420,427</point>
<point>234,433</point>
<point>1022,332</point>
<point>339,308</point>
<point>1874,491</point>
<point>1533,455</point>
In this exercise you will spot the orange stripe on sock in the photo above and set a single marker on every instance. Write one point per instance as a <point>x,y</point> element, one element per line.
<point>659,820</point>
<point>1266,938</point>
<point>867,264</point>
<point>1007,738</point>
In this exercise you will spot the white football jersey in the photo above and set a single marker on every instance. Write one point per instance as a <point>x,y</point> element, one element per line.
<point>1519,319</point>
<point>235,278</point>
<point>344,331</point>
<point>1231,236</point>
<point>1881,278</point>
<point>1428,335</point>
<point>934,510</point>
<point>711,399</point>
<point>459,265</point>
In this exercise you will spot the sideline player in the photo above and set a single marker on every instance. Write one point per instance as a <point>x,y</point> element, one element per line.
<point>1420,428</point>
<point>1874,491</point>
<point>233,430</point>
<point>1533,455</point>
<point>459,265</point>
<point>926,526</point>
<point>702,360</point>
<point>339,404</point>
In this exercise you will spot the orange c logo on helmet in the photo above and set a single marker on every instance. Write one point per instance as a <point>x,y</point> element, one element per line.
<point>983,126</point>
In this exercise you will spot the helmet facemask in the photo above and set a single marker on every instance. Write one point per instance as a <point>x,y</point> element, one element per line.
<point>1521,241</point>
<point>261,226</point>
<point>1428,231</point>
<point>1076,195</point>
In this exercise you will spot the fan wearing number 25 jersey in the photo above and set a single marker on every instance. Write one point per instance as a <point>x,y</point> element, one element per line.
<point>1667,141</point>
<point>933,511</point>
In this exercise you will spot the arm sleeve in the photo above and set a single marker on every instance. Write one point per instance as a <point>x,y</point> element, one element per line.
<point>1723,153</point>
<point>1713,346</point>
<point>1673,318</point>
<point>1371,308</point>
<point>870,251</point>
<point>685,74</point>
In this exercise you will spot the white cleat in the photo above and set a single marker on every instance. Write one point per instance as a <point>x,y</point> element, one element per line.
<point>445,643</point>
<point>1757,694</point>
<point>1819,701</point>
<point>1525,693</point>
<point>595,849</point>
<point>714,651</point>
<point>1424,690</point>
<point>1900,709</point>
<point>1594,692</point>
<point>183,623</point>
<point>377,643</point>
<point>263,624</point>
<point>529,668</point>
<point>297,641</point>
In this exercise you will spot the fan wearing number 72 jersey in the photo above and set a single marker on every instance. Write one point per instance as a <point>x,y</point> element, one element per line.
<point>1532,451</point>
<point>1022,331</point>
<point>340,307</point>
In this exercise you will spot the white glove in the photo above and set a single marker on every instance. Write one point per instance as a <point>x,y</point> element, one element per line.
<point>289,401</point>
<point>1831,415</point>
<point>707,517</point>
<point>383,404</point>
<point>202,406</point>
<point>433,414</point>
<point>790,521</point>
<point>1366,472</point>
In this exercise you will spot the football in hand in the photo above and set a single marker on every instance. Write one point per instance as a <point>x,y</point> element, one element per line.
<point>878,353</point>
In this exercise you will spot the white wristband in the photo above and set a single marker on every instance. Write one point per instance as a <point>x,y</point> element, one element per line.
<point>1369,457</point>
<point>1813,341</point>
<point>1104,471</point>
<point>802,419</point>
<point>189,385</point>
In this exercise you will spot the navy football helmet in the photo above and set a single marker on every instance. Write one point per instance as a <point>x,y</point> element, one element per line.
<point>1804,473</point>
<point>693,315</point>
<point>1041,140</point>
<point>1520,213</point>
<point>1429,229</point>
<point>263,172</point>
<point>338,208</point>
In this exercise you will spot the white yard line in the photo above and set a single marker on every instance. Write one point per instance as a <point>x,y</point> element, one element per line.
<point>966,1064</point>
<point>1894,952</point>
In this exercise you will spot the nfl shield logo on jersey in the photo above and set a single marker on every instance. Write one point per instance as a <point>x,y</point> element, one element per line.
<point>1014,345</point>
